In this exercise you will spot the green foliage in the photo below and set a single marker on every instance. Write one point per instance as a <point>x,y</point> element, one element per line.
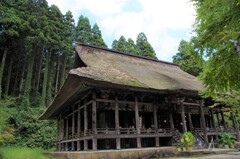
<point>143,47</point>
<point>83,30</point>
<point>231,100</point>
<point>96,39</point>
<point>23,153</point>
<point>226,139</point>
<point>6,136</point>
<point>6,132</point>
<point>120,45</point>
<point>29,130</point>
<point>189,57</point>
<point>218,32</point>
<point>187,139</point>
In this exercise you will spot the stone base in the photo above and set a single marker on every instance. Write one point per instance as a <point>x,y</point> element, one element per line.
<point>143,153</point>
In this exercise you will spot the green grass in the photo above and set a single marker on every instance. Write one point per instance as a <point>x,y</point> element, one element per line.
<point>23,153</point>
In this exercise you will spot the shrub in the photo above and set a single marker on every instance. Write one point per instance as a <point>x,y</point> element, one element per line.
<point>187,139</point>
<point>226,139</point>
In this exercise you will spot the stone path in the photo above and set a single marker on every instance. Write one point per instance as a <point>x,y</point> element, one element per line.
<point>230,155</point>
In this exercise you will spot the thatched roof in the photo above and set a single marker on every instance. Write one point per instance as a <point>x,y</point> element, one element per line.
<point>123,69</point>
<point>107,68</point>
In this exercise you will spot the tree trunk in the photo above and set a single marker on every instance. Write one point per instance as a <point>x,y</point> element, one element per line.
<point>45,78</point>
<point>8,77</point>
<point>2,69</point>
<point>38,73</point>
<point>50,82</point>
<point>57,75</point>
<point>39,69</point>
<point>27,88</point>
<point>22,77</point>
<point>63,70</point>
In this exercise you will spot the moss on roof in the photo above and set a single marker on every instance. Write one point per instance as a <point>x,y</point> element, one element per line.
<point>118,68</point>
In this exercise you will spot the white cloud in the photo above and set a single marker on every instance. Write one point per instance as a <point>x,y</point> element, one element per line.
<point>154,17</point>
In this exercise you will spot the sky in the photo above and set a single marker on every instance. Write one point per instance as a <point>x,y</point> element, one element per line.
<point>165,22</point>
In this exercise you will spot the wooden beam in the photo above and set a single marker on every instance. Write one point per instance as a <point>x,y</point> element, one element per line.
<point>120,101</point>
<point>184,126</point>
<point>94,121</point>
<point>203,122</point>
<point>137,121</point>
<point>118,142</point>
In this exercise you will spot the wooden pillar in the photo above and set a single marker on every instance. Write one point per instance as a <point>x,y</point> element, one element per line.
<point>155,124</point>
<point>224,122</point>
<point>72,146</point>
<point>190,119</point>
<point>78,127</point>
<point>58,132</point>
<point>171,119</point>
<point>183,117</point>
<point>118,142</point>
<point>78,146</point>
<point>66,128</point>
<point>85,124</point>
<point>137,122</point>
<point>218,120</point>
<point>203,122</point>
<point>212,119</point>
<point>233,121</point>
<point>94,121</point>
<point>78,121</point>
<point>73,123</point>
<point>237,127</point>
<point>66,146</point>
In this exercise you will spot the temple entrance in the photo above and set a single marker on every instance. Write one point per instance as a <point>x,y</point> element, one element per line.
<point>146,120</point>
<point>127,119</point>
<point>163,120</point>
<point>177,120</point>
<point>196,120</point>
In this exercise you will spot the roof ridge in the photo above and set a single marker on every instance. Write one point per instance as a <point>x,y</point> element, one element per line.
<point>124,53</point>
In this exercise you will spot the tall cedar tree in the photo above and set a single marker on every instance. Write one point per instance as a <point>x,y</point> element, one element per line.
<point>83,30</point>
<point>189,57</point>
<point>96,39</point>
<point>144,48</point>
